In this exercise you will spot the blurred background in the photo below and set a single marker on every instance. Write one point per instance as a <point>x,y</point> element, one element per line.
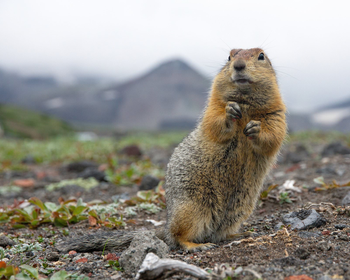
<point>121,66</point>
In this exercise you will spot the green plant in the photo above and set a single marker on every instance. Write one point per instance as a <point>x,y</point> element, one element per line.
<point>284,198</point>
<point>115,265</point>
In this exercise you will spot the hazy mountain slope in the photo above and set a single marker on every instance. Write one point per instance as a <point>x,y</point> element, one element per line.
<point>19,122</point>
<point>173,94</point>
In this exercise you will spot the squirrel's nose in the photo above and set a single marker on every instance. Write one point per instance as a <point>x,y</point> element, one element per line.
<point>239,65</point>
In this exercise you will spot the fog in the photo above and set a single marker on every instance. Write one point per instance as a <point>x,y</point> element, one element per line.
<point>307,41</point>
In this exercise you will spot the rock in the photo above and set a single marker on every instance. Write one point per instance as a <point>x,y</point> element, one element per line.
<point>308,234</point>
<point>80,166</point>
<point>302,253</point>
<point>333,277</point>
<point>278,226</point>
<point>142,244</point>
<point>335,148</point>
<point>340,226</point>
<point>53,256</point>
<point>5,241</point>
<point>29,160</point>
<point>149,182</point>
<point>29,254</point>
<point>86,269</point>
<point>296,154</point>
<point>346,200</point>
<point>327,170</point>
<point>131,151</point>
<point>304,219</point>
<point>324,246</point>
<point>94,173</point>
<point>287,261</point>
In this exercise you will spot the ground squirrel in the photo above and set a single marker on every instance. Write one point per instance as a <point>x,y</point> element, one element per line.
<point>215,175</point>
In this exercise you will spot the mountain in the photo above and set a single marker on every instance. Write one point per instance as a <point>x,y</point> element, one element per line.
<point>171,95</point>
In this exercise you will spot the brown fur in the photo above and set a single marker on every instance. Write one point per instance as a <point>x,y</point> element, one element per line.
<point>214,177</point>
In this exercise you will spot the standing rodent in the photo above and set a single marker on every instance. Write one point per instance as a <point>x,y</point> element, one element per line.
<point>215,175</point>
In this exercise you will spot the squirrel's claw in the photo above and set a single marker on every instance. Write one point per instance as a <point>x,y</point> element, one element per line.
<point>233,110</point>
<point>252,129</point>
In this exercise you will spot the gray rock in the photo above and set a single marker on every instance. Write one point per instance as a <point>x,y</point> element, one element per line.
<point>308,234</point>
<point>278,226</point>
<point>5,241</point>
<point>346,200</point>
<point>324,246</point>
<point>149,182</point>
<point>92,172</point>
<point>80,166</point>
<point>335,148</point>
<point>287,261</point>
<point>53,256</point>
<point>142,244</point>
<point>340,226</point>
<point>304,219</point>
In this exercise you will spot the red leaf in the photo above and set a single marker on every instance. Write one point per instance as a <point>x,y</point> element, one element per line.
<point>24,183</point>
<point>111,256</point>
<point>298,277</point>
<point>82,260</point>
<point>2,264</point>
<point>92,221</point>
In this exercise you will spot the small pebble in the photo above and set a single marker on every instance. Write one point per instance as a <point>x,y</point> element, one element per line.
<point>340,226</point>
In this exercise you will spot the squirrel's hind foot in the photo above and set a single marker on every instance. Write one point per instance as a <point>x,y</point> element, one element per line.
<point>195,247</point>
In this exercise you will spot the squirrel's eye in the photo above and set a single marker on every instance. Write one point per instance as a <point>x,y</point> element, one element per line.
<point>261,56</point>
<point>229,58</point>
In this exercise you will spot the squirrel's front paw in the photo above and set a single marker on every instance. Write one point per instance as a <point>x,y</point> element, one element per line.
<point>233,111</point>
<point>252,129</point>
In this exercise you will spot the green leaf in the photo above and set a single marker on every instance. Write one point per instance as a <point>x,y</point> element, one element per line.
<point>34,214</point>
<point>22,276</point>
<point>60,222</point>
<point>35,223</point>
<point>18,226</point>
<point>93,214</point>
<point>52,207</point>
<point>30,270</point>
<point>61,275</point>
<point>79,209</point>
<point>36,201</point>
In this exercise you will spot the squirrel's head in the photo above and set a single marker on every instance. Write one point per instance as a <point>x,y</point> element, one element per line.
<point>247,71</point>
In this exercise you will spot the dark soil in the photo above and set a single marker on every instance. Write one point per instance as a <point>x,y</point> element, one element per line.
<point>274,254</point>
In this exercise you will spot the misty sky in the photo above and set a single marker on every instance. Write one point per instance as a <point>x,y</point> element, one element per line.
<point>307,41</point>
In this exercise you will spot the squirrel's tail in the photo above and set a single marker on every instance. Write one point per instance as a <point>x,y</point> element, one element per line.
<point>104,240</point>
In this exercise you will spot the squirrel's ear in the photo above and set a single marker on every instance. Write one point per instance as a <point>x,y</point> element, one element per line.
<point>234,51</point>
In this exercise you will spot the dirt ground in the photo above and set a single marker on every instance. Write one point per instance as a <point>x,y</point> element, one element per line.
<point>320,253</point>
